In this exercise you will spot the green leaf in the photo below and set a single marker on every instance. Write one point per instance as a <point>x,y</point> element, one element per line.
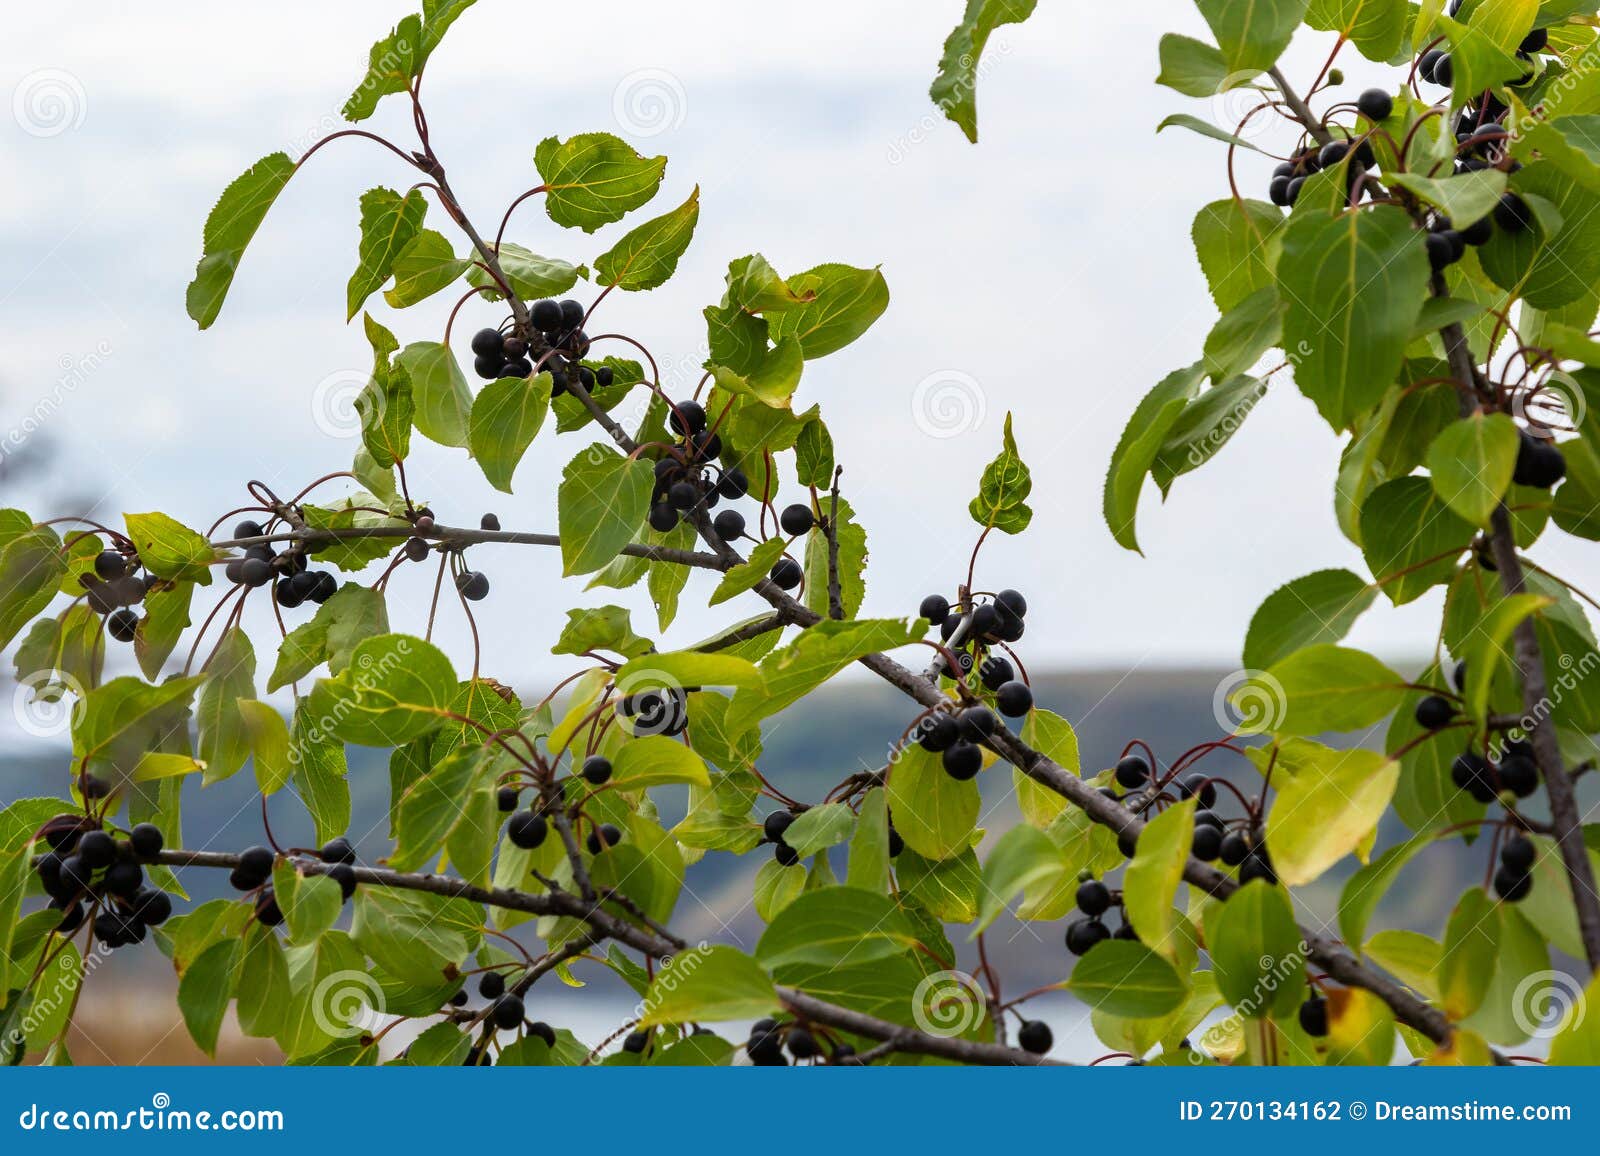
<point>955,86</point>
<point>1204,128</point>
<point>1553,262</point>
<point>946,889</point>
<point>869,846</point>
<point>835,927</point>
<point>412,935</point>
<point>819,653</point>
<point>310,903</point>
<point>1479,60</point>
<point>711,984</point>
<point>1001,502</point>
<point>224,743</point>
<point>1023,859</point>
<point>1360,1028</point>
<point>1329,804</point>
<point>169,549</point>
<point>354,614</point>
<point>1366,888</point>
<point>1256,951</point>
<point>1151,883</point>
<point>385,405</point>
<point>166,617</point>
<point>506,417</point>
<point>1465,199</point>
<point>1142,439</point>
<point>392,62</point>
<point>1205,425</point>
<point>1410,538</point>
<point>31,569</point>
<point>229,226</point>
<point>204,992</point>
<point>396,688</point>
<point>852,562</point>
<point>839,304</point>
<point>1052,736</point>
<point>268,738</point>
<point>530,275</point>
<point>646,256</point>
<point>1377,27</point>
<point>1194,67</point>
<point>389,222</point>
<point>600,628</point>
<point>425,265</point>
<point>1471,941</point>
<point>776,887</point>
<point>603,500</point>
<point>934,813</point>
<point>1124,978</point>
<point>594,179</point>
<point>432,807</point>
<point>1470,464</point>
<point>655,760</point>
<point>1237,243</point>
<point>1352,287</point>
<point>1252,33</point>
<point>819,828</point>
<point>443,401</point>
<point>1244,333</point>
<point>682,668</point>
<point>1490,642</point>
<point>749,573</point>
<point>1321,688</point>
<point>1320,607</point>
<point>319,768</point>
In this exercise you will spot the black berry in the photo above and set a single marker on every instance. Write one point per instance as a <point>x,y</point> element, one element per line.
<point>1014,699</point>
<point>962,761</point>
<point>796,519</point>
<point>1083,934</point>
<point>1094,897</point>
<point>1434,712</point>
<point>527,829</point>
<point>473,585</point>
<point>597,769</point>
<point>1375,104</point>
<point>1035,1037</point>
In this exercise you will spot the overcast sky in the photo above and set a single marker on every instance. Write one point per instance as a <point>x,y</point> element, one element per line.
<point>1046,271</point>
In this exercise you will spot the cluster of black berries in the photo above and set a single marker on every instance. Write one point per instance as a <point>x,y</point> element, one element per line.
<point>113,590</point>
<point>602,838</point>
<point>687,477</point>
<point>1484,780</point>
<point>1513,879</point>
<point>295,581</point>
<point>956,738</point>
<point>769,1038</point>
<point>661,710</point>
<point>254,870</point>
<point>497,354</point>
<point>93,867</point>
<point>506,1010</point>
<point>1094,900</point>
<point>1437,66</point>
<point>982,625</point>
<point>1292,174</point>
<point>473,585</point>
<point>1236,842</point>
